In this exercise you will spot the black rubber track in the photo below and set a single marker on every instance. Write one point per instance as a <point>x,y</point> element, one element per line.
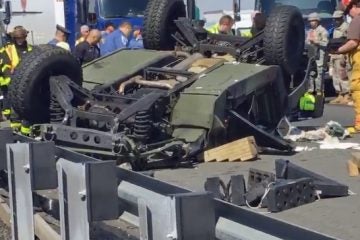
<point>284,38</point>
<point>29,89</point>
<point>159,23</point>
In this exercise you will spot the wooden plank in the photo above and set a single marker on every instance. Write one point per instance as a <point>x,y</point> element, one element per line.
<point>42,229</point>
<point>242,144</point>
<point>353,168</point>
<point>240,150</point>
<point>356,158</point>
<point>5,212</point>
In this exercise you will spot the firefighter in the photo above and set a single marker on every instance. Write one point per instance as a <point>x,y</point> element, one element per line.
<point>10,56</point>
<point>352,48</point>
<point>338,63</point>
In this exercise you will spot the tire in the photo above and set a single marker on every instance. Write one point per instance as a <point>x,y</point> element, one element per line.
<point>159,23</point>
<point>284,38</point>
<point>29,91</point>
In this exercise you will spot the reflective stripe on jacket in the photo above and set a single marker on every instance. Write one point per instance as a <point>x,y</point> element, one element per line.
<point>9,59</point>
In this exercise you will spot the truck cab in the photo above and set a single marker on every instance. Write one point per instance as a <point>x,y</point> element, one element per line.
<point>101,11</point>
<point>96,13</point>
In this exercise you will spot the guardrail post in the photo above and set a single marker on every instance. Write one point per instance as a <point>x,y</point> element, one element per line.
<point>6,137</point>
<point>182,216</point>
<point>87,192</point>
<point>31,166</point>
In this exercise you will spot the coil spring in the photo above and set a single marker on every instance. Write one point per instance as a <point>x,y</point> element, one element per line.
<point>56,112</point>
<point>142,125</point>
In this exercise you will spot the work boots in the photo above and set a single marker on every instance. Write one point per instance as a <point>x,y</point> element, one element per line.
<point>343,99</point>
<point>338,100</point>
<point>346,99</point>
<point>356,128</point>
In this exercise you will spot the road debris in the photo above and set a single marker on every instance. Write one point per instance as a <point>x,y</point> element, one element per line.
<point>330,130</point>
<point>290,187</point>
<point>244,149</point>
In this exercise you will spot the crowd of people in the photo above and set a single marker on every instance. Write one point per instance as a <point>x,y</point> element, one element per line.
<point>339,65</point>
<point>93,43</point>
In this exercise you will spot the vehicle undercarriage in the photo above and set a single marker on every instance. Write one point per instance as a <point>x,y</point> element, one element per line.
<point>167,106</point>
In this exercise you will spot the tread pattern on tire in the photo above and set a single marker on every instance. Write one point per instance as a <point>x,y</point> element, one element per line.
<point>43,60</point>
<point>159,23</point>
<point>283,23</point>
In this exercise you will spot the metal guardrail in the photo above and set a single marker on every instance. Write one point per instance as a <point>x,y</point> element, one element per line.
<point>91,190</point>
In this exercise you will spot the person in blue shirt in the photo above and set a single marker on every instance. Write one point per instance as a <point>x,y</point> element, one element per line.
<point>136,41</point>
<point>109,28</point>
<point>117,39</point>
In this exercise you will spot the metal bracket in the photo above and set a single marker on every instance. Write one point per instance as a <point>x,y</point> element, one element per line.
<point>258,176</point>
<point>288,194</point>
<point>183,222</point>
<point>328,187</point>
<point>234,191</point>
<point>101,185</point>
<point>43,166</point>
<point>238,190</point>
<point>217,188</point>
<point>85,200</point>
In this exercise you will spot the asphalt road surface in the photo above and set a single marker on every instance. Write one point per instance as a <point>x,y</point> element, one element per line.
<point>337,217</point>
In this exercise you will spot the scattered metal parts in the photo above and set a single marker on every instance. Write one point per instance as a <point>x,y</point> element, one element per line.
<point>291,187</point>
<point>286,194</point>
<point>218,188</point>
<point>326,187</point>
<point>238,190</point>
<point>258,176</point>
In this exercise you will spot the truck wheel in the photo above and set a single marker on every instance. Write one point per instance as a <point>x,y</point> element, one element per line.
<point>29,91</point>
<point>284,38</point>
<point>159,23</point>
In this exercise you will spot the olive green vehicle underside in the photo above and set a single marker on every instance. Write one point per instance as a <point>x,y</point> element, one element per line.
<point>202,109</point>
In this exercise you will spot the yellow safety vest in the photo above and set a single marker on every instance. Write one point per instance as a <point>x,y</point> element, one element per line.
<point>14,58</point>
<point>215,29</point>
<point>246,33</point>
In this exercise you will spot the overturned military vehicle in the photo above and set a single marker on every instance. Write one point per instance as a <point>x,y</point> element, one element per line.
<point>188,91</point>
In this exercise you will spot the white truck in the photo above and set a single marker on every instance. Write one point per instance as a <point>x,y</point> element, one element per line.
<point>39,17</point>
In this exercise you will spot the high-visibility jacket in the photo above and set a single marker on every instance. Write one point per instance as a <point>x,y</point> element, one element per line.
<point>80,40</point>
<point>215,29</point>
<point>10,56</point>
<point>246,33</point>
<point>243,32</point>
